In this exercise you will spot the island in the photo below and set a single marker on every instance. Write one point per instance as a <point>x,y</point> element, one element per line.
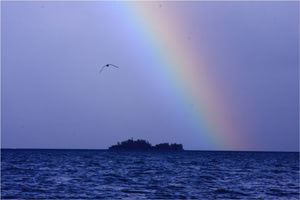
<point>145,146</point>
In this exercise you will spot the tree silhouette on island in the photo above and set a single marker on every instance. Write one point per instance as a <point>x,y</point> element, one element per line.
<point>145,146</point>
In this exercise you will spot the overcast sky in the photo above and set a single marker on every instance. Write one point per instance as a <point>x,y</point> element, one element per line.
<point>54,97</point>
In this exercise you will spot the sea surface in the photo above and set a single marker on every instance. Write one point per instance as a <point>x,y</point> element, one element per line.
<point>93,174</point>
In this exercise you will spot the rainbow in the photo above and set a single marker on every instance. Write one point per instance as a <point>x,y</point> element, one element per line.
<point>164,29</point>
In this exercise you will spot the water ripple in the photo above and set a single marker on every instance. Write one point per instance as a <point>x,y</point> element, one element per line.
<point>86,174</point>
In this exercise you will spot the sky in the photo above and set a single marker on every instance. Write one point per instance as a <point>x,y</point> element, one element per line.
<point>208,75</point>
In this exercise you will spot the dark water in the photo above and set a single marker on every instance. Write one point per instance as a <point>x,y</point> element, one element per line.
<point>73,174</point>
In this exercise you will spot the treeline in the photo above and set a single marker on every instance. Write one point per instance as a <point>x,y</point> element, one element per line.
<point>145,145</point>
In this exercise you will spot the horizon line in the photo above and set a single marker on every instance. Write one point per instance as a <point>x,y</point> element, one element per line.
<point>86,149</point>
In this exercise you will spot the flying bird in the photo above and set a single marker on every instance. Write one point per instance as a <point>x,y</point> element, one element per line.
<point>107,65</point>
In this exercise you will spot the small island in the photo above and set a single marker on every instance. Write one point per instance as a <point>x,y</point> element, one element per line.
<point>145,146</point>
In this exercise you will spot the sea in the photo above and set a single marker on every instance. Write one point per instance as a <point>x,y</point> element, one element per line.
<point>103,174</point>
